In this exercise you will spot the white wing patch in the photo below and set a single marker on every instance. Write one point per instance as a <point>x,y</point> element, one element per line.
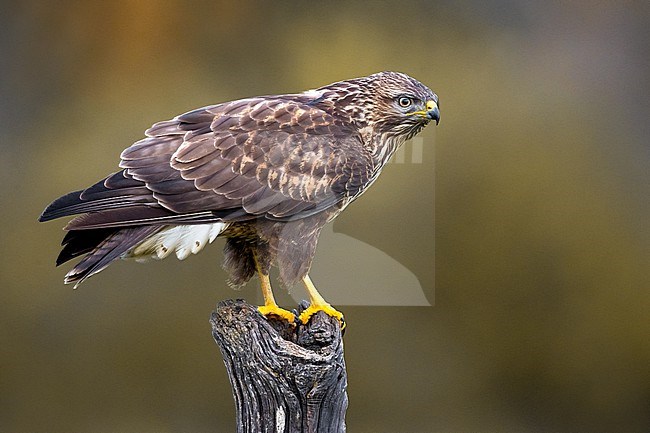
<point>181,240</point>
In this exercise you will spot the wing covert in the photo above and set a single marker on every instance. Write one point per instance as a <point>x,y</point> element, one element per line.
<point>272,156</point>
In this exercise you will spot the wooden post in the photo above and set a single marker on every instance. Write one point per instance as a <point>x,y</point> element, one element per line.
<point>284,379</point>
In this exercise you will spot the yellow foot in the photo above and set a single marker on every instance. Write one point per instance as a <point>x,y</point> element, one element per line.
<point>274,310</point>
<point>328,309</point>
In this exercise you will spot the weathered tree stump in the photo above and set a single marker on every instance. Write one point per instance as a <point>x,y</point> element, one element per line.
<point>284,379</point>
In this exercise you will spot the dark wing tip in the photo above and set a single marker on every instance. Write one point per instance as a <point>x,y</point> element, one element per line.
<point>58,207</point>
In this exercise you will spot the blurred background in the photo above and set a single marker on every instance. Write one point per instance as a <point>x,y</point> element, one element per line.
<point>524,219</point>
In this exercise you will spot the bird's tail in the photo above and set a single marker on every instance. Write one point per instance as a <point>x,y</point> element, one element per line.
<point>102,245</point>
<point>118,214</point>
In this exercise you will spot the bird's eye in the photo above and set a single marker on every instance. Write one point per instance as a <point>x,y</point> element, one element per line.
<point>404,101</point>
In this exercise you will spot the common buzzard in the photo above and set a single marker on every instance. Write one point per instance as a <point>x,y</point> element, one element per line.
<point>266,173</point>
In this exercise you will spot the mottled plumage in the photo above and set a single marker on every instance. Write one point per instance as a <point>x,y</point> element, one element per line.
<point>266,173</point>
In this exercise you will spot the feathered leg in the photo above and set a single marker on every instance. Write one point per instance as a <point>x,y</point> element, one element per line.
<point>244,258</point>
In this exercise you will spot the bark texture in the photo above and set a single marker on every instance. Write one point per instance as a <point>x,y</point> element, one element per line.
<point>285,379</point>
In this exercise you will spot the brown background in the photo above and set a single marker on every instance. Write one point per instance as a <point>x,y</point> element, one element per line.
<point>538,173</point>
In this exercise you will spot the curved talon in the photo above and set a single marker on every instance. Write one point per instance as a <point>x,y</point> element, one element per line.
<point>274,310</point>
<point>327,309</point>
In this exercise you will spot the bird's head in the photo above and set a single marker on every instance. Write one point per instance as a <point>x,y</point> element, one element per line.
<point>388,107</point>
<point>391,104</point>
<point>400,104</point>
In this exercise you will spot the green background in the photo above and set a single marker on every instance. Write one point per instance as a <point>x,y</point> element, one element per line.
<point>526,222</point>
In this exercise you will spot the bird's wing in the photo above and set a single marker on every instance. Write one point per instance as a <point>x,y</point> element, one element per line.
<point>275,157</point>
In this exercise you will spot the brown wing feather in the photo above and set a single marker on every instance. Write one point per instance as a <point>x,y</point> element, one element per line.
<point>278,158</point>
<point>273,157</point>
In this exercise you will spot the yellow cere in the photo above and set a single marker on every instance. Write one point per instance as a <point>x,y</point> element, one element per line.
<point>431,104</point>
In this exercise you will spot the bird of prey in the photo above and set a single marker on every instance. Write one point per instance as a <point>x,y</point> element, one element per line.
<point>266,173</point>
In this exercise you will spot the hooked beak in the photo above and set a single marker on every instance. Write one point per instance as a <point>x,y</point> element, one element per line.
<point>433,112</point>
